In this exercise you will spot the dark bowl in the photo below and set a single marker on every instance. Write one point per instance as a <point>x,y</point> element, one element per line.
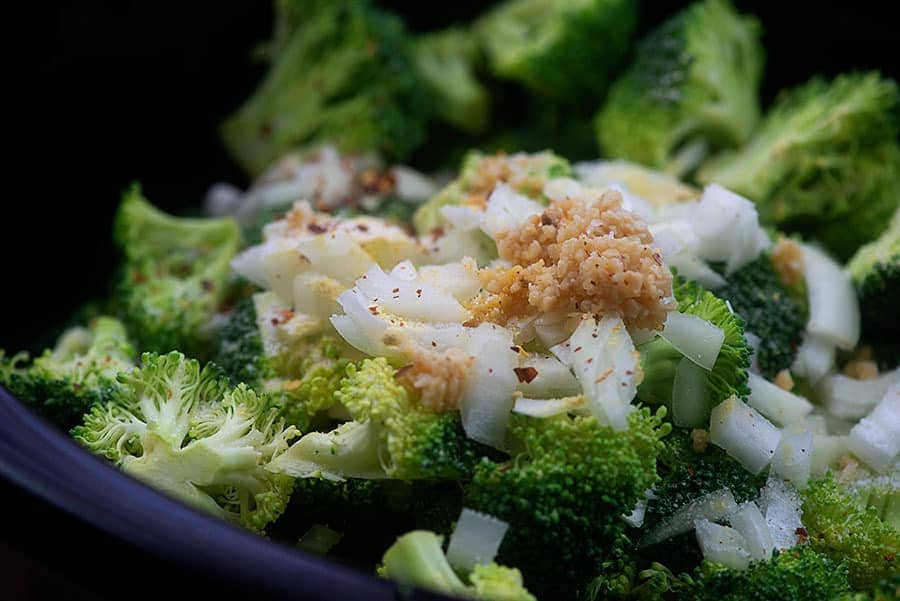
<point>135,91</point>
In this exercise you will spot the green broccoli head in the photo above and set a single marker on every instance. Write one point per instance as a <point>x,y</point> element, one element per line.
<point>562,495</point>
<point>561,50</point>
<point>479,173</point>
<point>824,161</point>
<point>447,60</point>
<point>77,373</point>
<point>182,430</point>
<point>771,311</point>
<point>174,275</point>
<point>417,559</point>
<point>692,86</point>
<point>840,525</point>
<point>875,271</point>
<point>729,374</point>
<point>798,574</point>
<point>341,72</point>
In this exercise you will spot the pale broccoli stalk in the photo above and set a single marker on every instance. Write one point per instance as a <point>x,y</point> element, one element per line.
<point>417,559</point>
<point>824,161</point>
<point>875,272</point>
<point>341,72</point>
<point>182,430</point>
<point>174,274</point>
<point>561,50</point>
<point>80,371</point>
<point>692,88</point>
<point>447,60</point>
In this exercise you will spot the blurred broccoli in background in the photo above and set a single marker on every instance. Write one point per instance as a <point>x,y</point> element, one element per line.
<point>341,71</point>
<point>825,161</point>
<point>174,275</point>
<point>875,271</point>
<point>691,88</point>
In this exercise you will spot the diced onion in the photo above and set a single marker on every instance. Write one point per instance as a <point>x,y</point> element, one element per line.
<point>814,359</point>
<point>552,378</point>
<point>695,338</point>
<point>506,209</point>
<point>833,306</point>
<point>793,457</point>
<point>690,401</point>
<point>712,506</point>
<point>849,398</point>
<point>411,299</point>
<point>781,504</point>
<point>721,544</point>
<point>876,438</point>
<point>744,434</point>
<point>488,395</point>
<point>727,226</point>
<point>749,521</point>
<point>475,540</point>
<point>826,451</point>
<point>776,403</point>
<point>549,407</point>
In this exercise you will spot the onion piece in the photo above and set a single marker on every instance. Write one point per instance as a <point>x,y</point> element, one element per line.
<point>775,403</point>
<point>793,458</point>
<point>549,407</point>
<point>748,520</point>
<point>849,398</point>
<point>781,505</point>
<point>690,401</point>
<point>507,209</point>
<point>411,299</point>
<point>814,359</point>
<point>727,227</point>
<point>744,434</point>
<point>695,338</point>
<point>552,378</point>
<point>721,544</point>
<point>826,451</point>
<point>475,540</point>
<point>488,395</point>
<point>833,306</point>
<point>876,438</point>
<point>712,506</point>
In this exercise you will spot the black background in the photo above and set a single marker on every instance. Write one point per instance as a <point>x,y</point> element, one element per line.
<point>135,90</point>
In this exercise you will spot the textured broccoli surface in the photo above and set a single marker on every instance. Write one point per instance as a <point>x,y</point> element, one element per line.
<point>341,72</point>
<point>692,87</point>
<point>560,50</point>
<point>563,493</point>
<point>825,161</point>
<point>174,275</point>
<point>875,271</point>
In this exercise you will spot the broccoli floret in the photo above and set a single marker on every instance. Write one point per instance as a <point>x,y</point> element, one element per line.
<point>341,72</point>
<point>841,526</point>
<point>391,436</point>
<point>447,60</point>
<point>770,310</point>
<point>562,495</point>
<point>875,271</point>
<point>621,578</point>
<point>729,374</point>
<point>692,87</point>
<point>798,574</point>
<point>417,559</point>
<point>79,372</point>
<point>824,161</point>
<point>525,173</point>
<point>560,50</point>
<point>174,275</point>
<point>181,429</point>
<point>886,590</point>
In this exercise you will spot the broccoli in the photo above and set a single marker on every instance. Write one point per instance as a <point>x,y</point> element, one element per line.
<point>875,271</point>
<point>563,493</point>
<point>447,60</point>
<point>390,435</point>
<point>526,173</point>
<point>887,589</point>
<point>798,574</point>
<point>301,375</point>
<point>417,559</point>
<point>824,161</point>
<point>181,429</point>
<point>560,50</point>
<point>79,372</point>
<point>174,275</point>
<point>772,311</point>
<point>341,72</point>
<point>692,87</point>
<point>729,374</point>
<point>841,526</point>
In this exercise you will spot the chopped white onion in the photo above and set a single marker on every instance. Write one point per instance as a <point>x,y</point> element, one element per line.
<point>635,518</point>
<point>793,457</point>
<point>459,278</point>
<point>727,226</point>
<point>852,399</point>
<point>744,434</point>
<point>488,395</point>
<point>712,506</point>
<point>549,407</point>
<point>695,338</point>
<point>553,379</point>
<point>781,505</point>
<point>462,218</point>
<point>410,299</point>
<point>876,438</point>
<point>553,328</point>
<point>721,544</point>
<point>750,522</point>
<point>816,424</point>
<point>411,185</point>
<point>826,451</point>
<point>475,540</point>
<point>833,306</point>
<point>506,209</point>
<point>690,401</point>
<point>814,359</point>
<point>777,404</point>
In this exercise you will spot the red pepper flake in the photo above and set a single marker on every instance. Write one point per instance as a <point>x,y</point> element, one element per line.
<point>419,292</point>
<point>207,285</point>
<point>525,374</point>
<point>362,227</point>
<point>139,278</point>
<point>514,348</point>
<point>595,335</point>
<point>890,557</point>
<point>802,535</point>
<point>395,290</point>
<point>434,344</point>
<point>373,310</point>
<point>577,348</point>
<point>590,360</point>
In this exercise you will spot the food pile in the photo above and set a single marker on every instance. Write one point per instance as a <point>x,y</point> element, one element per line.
<point>668,373</point>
